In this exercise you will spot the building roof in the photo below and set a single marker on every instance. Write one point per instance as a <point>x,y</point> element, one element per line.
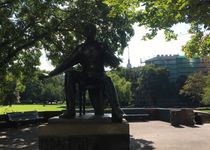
<point>164,57</point>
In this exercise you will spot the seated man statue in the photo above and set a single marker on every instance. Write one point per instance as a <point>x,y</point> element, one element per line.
<point>92,56</point>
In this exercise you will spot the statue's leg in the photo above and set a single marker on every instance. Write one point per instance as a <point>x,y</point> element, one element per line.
<point>70,96</point>
<point>93,97</point>
<point>112,97</point>
<point>97,100</point>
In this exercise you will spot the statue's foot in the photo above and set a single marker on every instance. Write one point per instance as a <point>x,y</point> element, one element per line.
<point>68,115</point>
<point>116,118</point>
<point>117,115</point>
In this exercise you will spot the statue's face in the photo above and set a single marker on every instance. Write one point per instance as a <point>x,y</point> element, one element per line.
<point>90,31</point>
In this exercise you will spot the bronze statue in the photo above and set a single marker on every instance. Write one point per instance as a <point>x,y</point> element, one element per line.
<point>93,56</point>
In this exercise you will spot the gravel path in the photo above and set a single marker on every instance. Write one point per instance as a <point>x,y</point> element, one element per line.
<point>144,136</point>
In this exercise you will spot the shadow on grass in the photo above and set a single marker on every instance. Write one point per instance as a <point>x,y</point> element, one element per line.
<point>19,138</point>
<point>140,144</point>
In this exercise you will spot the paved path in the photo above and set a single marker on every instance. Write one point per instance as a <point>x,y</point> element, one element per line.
<point>21,138</point>
<point>162,136</point>
<point>144,136</point>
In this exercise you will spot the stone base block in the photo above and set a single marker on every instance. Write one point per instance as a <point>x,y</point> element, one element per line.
<point>182,117</point>
<point>83,134</point>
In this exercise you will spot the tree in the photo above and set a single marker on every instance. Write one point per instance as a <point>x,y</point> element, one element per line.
<point>47,90</point>
<point>10,89</point>
<point>178,85</point>
<point>55,26</point>
<point>180,81</point>
<point>33,90</point>
<point>13,76</point>
<point>194,87</point>
<point>206,95</point>
<point>153,83</point>
<point>123,88</point>
<point>163,14</point>
<point>199,45</point>
<point>53,89</point>
<point>131,75</point>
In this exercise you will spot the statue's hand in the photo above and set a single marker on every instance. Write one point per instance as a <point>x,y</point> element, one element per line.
<point>43,76</point>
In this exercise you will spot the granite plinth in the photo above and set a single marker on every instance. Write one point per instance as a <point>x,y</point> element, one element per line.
<point>182,117</point>
<point>84,133</point>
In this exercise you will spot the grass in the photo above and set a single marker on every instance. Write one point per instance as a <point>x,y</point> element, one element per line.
<point>204,109</point>
<point>38,107</point>
<point>31,107</point>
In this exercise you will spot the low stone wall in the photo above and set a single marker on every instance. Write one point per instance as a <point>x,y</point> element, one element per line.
<point>204,116</point>
<point>181,116</point>
<point>49,114</point>
<point>152,112</point>
<point>163,114</point>
<point>175,116</point>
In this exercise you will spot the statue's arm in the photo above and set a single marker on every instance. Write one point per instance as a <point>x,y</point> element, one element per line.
<point>110,59</point>
<point>67,63</point>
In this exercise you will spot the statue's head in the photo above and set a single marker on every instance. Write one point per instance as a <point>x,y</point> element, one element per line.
<point>90,30</point>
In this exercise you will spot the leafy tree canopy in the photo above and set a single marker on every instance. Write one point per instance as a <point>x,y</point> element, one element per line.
<point>154,83</point>
<point>56,26</point>
<point>194,87</point>
<point>44,90</point>
<point>123,88</point>
<point>206,95</point>
<point>163,14</point>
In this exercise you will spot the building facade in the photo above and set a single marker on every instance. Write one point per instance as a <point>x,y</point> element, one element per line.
<point>180,65</point>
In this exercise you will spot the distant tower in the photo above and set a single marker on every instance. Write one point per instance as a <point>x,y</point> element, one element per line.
<point>129,62</point>
<point>142,62</point>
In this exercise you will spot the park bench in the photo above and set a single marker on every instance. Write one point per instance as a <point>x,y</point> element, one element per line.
<point>23,117</point>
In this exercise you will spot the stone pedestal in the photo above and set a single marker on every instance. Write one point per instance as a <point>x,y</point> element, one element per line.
<point>84,133</point>
<point>182,117</point>
<point>175,117</point>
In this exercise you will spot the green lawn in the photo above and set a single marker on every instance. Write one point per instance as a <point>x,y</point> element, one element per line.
<point>31,107</point>
<point>204,109</point>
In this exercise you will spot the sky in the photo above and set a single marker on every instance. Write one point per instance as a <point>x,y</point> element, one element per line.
<point>140,49</point>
